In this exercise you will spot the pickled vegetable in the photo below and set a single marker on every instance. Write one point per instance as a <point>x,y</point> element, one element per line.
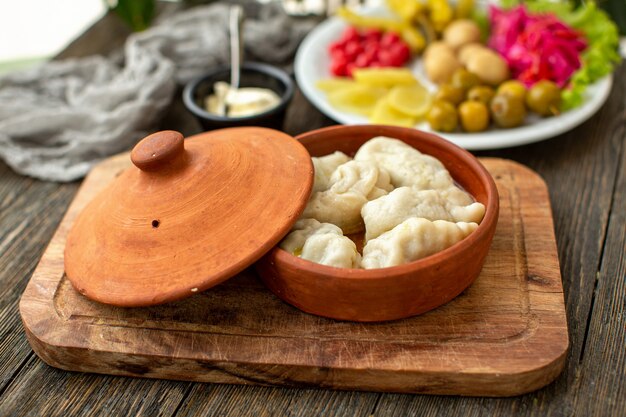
<point>544,98</point>
<point>365,49</point>
<point>334,84</point>
<point>481,93</point>
<point>443,117</point>
<point>507,111</point>
<point>464,9</point>
<point>412,100</point>
<point>382,23</point>
<point>427,28</point>
<point>441,13</point>
<point>474,116</point>
<point>384,77</point>
<point>464,79</point>
<point>411,35</point>
<point>359,99</point>
<point>407,10</point>
<point>513,88</point>
<point>414,38</point>
<point>450,93</point>
<point>385,114</point>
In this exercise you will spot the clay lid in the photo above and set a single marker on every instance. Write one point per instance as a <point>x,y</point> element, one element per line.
<point>188,215</point>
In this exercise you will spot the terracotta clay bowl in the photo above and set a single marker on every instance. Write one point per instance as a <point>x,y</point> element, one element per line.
<point>400,291</point>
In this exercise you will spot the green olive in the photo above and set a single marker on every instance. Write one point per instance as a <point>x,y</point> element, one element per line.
<point>481,93</point>
<point>513,88</point>
<point>443,116</point>
<point>474,116</point>
<point>544,98</point>
<point>464,79</point>
<point>450,93</point>
<point>507,111</point>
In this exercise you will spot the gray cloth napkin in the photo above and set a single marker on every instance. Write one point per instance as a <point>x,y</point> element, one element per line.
<point>59,119</point>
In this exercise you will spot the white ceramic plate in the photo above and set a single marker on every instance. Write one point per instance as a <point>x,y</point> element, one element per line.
<point>312,64</point>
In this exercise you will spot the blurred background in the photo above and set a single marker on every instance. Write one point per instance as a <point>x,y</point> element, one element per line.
<point>34,30</point>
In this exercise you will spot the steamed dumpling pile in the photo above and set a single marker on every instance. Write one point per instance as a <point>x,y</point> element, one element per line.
<point>350,186</point>
<point>407,203</point>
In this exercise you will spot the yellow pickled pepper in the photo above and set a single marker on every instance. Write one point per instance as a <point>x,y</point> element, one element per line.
<point>426,27</point>
<point>464,9</point>
<point>359,21</point>
<point>406,9</point>
<point>414,38</point>
<point>441,14</point>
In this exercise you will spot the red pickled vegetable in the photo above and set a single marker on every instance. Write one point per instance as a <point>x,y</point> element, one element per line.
<point>372,34</point>
<point>536,46</point>
<point>368,48</point>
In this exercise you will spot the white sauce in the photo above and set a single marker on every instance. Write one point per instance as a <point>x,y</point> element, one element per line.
<point>240,102</point>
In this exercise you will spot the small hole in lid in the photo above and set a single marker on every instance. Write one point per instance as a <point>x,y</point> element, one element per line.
<point>155,223</point>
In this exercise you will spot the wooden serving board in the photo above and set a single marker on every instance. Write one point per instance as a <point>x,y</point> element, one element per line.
<point>505,335</point>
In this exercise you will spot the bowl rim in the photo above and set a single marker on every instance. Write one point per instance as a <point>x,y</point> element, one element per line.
<point>485,227</point>
<point>250,66</point>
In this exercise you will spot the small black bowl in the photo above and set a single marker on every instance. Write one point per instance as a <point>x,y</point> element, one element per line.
<point>253,74</point>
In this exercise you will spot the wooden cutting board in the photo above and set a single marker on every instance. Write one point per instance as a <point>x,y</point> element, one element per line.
<point>505,335</point>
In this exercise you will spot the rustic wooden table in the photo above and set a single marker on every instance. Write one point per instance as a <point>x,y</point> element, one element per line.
<point>586,173</point>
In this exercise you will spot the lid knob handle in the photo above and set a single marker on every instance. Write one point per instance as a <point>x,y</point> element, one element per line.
<point>158,150</point>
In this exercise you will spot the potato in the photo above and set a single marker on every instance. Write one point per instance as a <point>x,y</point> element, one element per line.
<point>466,51</point>
<point>437,47</point>
<point>440,65</point>
<point>461,32</point>
<point>490,67</point>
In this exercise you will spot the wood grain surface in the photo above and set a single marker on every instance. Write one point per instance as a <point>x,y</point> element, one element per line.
<point>506,335</point>
<point>585,170</point>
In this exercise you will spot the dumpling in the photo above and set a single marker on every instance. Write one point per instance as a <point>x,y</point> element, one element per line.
<point>331,250</point>
<point>302,230</point>
<point>322,243</point>
<point>325,166</point>
<point>382,186</point>
<point>413,239</point>
<point>457,196</point>
<point>341,209</point>
<point>362,176</point>
<point>406,165</point>
<point>351,185</point>
<point>384,213</point>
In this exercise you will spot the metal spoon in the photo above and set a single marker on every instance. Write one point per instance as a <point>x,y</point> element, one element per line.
<point>236,44</point>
